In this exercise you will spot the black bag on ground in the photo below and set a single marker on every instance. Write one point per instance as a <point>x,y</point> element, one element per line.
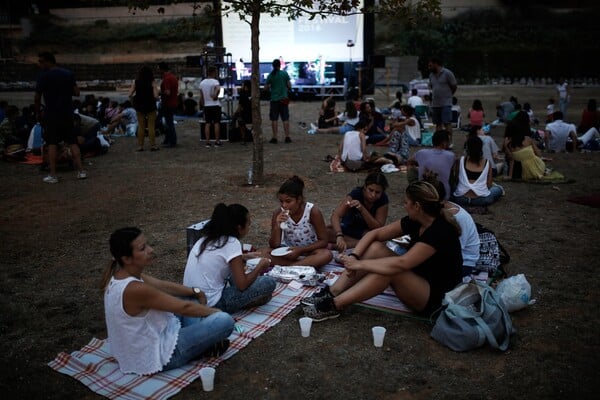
<point>492,255</point>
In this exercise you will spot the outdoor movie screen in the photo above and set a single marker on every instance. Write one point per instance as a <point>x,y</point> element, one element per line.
<point>297,41</point>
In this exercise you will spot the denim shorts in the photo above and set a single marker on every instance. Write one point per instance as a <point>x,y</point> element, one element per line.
<point>441,115</point>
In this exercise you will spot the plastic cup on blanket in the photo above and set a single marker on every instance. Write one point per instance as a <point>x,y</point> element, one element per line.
<point>305,324</point>
<point>207,375</point>
<point>378,335</point>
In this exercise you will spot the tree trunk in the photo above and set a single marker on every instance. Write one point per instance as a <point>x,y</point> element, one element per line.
<point>257,156</point>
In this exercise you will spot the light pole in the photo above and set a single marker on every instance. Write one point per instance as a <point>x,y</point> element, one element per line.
<point>349,85</point>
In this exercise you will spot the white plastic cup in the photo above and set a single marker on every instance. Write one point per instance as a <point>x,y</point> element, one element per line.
<point>378,335</point>
<point>305,324</point>
<point>207,374</point>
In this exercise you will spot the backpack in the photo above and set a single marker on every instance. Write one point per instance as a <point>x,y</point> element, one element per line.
<point>492,255</point>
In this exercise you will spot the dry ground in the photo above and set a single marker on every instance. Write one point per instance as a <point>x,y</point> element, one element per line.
<point>54,247</point>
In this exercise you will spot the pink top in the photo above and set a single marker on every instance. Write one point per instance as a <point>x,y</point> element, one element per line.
<point>476,117</point>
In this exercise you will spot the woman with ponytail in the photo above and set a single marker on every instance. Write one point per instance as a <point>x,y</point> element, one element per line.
<point>155,325</point>
<point>420,277</point>
<point>217,266</point>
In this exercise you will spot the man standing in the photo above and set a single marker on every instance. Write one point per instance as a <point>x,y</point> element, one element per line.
<point>209,96</point>
<point>57,86</point>
<point>278,82</point>
<point>169,88</point>
<point>443,86</point>
<point>563,95</point>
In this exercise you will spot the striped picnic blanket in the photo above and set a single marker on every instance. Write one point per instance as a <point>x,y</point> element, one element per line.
<point>386,301</point>
<point>94,366</point>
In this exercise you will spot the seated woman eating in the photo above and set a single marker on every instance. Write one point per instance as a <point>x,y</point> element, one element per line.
<point>155,325</point>
<point>300,226</point>
<point>420,278</point>
<point>475,186</point>
<point>216,264</point>
<point>363,209</point>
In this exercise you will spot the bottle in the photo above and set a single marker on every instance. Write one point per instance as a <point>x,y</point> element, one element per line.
<point>250,176</point>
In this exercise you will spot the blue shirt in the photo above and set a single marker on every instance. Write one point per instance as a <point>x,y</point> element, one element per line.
<point>353,223</point>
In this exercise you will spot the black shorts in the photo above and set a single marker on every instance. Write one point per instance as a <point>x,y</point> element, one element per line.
<point>212,114</point>
<point>59,129</point>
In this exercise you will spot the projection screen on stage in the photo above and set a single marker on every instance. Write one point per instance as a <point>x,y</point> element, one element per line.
<point>297,41</point>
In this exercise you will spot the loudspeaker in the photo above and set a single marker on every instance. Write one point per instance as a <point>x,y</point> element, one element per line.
<point>339,73</point>
<point>377,61</point>
<point>193,61</point>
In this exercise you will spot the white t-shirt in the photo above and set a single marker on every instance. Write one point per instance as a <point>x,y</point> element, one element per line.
<point>209,270</point>
<point>414,101</point>
<point>415,130</point>
<point>559,133</point>
<point>469,238</point>
<point>352,150</point>
<point>208,87</point>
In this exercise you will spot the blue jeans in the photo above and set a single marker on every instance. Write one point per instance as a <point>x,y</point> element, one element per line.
<point>170,134</point>
<point>259,292</point>
<point>197,335</point>
<point>411,141</point>
<point>482,201</point>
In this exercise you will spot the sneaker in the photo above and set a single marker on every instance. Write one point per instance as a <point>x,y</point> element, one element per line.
<point>302,125</point>
<point>50,179</point>
<point>273,141</point>
<point>321,311</point>
<point>313,126</point>
<point>208,145</point>
<point>218,143</point>
<point>288,139</point>
<point>311,132</point>
<point>317,297</point>
<point>81,174</point>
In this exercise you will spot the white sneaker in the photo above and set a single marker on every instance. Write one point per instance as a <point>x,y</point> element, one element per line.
<point>313,126</point>
<point>81,174</point>
<point>50,179</point>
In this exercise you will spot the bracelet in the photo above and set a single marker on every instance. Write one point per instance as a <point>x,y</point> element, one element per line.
<point>355,255</point>
<point>339,234</point>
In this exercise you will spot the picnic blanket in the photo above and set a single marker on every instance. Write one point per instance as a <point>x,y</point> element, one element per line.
<point>98,370</point>
<point>32,159</point>
<point>592,200</point>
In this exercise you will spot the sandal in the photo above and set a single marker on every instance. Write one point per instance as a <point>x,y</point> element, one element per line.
<point>154,148</point>
<point>217,349</point>
<point>140,149</point>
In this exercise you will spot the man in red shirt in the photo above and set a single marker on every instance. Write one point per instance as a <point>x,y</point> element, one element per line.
<point>169,89</point>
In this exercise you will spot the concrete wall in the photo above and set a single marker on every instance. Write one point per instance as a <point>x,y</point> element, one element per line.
<point>115,15</point>
<point>451,8</point>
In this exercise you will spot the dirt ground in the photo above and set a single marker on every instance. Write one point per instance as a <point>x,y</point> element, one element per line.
<point>54,247</point>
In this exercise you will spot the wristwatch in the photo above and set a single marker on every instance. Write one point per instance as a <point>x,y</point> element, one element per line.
<point>196,290</point>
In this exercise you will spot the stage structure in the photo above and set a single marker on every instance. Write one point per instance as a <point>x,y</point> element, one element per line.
<point>320,44</point>
<point>218,57</point>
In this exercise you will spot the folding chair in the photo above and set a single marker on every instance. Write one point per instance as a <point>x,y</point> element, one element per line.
<point>455,119</point>
<point>422,112</point>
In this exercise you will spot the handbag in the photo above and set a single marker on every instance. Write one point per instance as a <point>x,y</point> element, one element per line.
<point>471,315</point>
